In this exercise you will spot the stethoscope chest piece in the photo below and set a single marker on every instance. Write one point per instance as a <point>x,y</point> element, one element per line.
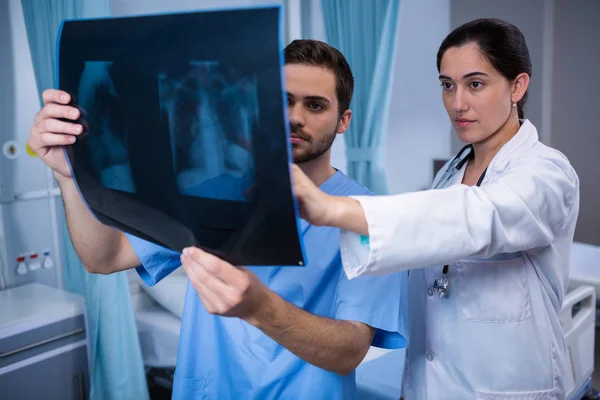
<point>440,285</point>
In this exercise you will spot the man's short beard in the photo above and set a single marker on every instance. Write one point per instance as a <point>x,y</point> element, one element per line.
<point>315,150</point>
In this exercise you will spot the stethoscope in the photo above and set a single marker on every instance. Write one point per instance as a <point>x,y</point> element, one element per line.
<point>441,284</point>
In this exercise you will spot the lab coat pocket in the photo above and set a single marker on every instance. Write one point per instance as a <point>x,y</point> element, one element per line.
<point>493,290</point>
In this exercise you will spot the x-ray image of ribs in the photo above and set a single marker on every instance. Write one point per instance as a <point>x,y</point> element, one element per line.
<point>210,115</point>
<point>107,136</point>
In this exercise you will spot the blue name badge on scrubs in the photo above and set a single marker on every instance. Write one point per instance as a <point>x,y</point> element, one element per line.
<point>186,137</point>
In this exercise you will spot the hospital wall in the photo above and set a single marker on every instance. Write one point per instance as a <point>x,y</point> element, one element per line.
<point>29,206</point>
<point>575,108</point>
<point>418,125</point>
<point>562,37</point>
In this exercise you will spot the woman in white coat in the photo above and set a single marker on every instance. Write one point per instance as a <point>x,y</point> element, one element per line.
<point>487,248</point>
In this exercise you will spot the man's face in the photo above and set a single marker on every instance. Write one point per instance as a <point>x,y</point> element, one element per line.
<point>313,111</point>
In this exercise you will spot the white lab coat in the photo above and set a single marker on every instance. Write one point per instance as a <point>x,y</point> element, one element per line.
<point>497,335</point>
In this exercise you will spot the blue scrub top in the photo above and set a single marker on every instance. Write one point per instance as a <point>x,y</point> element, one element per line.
<point>227,358</point>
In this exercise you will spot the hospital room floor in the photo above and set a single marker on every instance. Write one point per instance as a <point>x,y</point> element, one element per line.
<point>157,390</point>
<point>158,393</point>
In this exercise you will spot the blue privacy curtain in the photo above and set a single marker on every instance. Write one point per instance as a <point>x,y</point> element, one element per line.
<point>365,32</point>
<point>117,370</point>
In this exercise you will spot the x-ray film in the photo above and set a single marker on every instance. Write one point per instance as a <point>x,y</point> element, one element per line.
<point>186,138</point>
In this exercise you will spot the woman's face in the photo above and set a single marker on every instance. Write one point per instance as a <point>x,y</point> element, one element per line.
<point>477,97</point>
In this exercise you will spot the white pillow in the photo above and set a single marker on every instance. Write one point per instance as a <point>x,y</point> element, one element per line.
<point>169,292</point>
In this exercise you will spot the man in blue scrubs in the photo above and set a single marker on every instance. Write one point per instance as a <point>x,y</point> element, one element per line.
<point>261,332</point>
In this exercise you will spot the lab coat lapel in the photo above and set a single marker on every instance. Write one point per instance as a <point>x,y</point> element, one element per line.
<point>521,143</point>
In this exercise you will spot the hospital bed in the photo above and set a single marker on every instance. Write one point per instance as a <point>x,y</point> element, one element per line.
<point>379,376</point>
<point>585,270</point>
<point>158,313</point>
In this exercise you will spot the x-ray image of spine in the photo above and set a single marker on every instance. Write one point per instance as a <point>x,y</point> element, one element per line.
<point>210,115</point>
<point>106,138</point>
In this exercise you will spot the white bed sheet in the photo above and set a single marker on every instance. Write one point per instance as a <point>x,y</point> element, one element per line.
<point>158,331</point>
<point>158,328</point>
<point>585,266</point>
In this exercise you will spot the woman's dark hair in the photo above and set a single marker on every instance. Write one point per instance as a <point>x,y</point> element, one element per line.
<point>502,43</point>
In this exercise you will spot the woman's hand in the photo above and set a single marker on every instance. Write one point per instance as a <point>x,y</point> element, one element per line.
<point>320,209</point>
<point>316,207</point>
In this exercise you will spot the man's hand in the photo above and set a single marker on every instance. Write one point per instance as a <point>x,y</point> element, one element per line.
<point>224,289</point>
<point>338,346</point>
<point>48,133</point>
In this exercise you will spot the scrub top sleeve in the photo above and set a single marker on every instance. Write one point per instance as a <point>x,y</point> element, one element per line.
<point>157,261</point>
<point>378,301</point>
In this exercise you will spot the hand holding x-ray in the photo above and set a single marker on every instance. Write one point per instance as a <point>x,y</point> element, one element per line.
<point>315,205</point>
<point>224,289</point>
<point>57,124</point>
<point>321,209</point>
